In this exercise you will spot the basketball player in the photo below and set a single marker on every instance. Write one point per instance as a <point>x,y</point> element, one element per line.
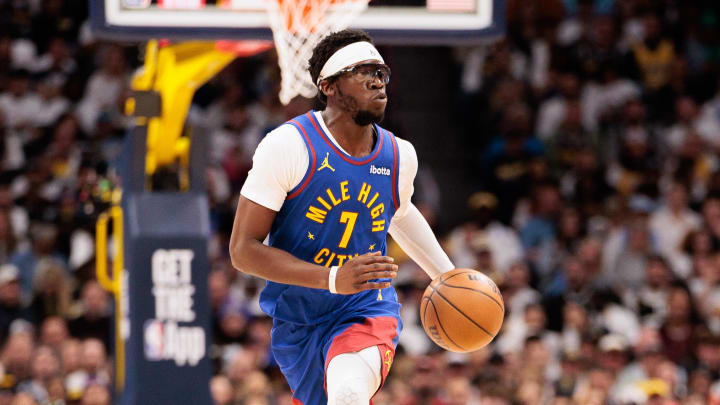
<point>325,188</point>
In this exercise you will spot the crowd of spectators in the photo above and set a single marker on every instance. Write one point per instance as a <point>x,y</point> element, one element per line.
<point>592,131</point>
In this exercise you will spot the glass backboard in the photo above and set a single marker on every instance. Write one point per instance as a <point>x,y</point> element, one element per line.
<point>388,21</point>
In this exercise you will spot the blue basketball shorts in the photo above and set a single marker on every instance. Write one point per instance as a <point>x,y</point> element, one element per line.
<point>303,352</point>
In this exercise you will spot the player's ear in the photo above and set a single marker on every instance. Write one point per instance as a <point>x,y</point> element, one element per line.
<point>328,87</point>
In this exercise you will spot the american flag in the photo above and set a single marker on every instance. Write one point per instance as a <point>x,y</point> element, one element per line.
<point>451,5</point>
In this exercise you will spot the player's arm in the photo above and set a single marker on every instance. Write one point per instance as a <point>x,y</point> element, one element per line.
<point>409,228</point>
<point>249,254</point>
<point>278,166</point>
<point>416,238</point>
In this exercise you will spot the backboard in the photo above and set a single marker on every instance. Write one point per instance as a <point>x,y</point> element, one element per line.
<point>422,22</point>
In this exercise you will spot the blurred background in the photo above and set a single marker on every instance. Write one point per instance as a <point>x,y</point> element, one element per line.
<point>574,161</point>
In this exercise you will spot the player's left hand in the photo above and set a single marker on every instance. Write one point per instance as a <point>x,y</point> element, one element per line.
<point>355,275</point>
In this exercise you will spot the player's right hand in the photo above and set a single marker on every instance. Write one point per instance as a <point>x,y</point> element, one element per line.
<point>355,275</point>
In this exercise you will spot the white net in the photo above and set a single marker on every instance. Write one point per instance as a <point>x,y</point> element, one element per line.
<point>298,25</point>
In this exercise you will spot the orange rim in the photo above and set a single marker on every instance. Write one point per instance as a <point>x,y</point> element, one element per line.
<point>244,48</point>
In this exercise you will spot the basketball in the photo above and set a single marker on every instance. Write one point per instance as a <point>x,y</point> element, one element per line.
<point>462,310</point>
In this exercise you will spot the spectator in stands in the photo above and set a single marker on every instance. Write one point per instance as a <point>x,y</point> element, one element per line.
<point>502,241</point>
<point>221,390</point>
<point>11,305</point>
<point>686,124</point>
<point>564,109</point>
<point>652,59</point>
<point>58,60</point>
<point>671,223</point>
<point>8,241</point>
<point>16,357</point>
<point>709,119</point>
<point>505,161</point>
<point>23,399</point>
<point>56,390</point>
<point>572,284</point>
<point>63,152</point>
<point>584,185</point>
<point>693,165</point>
<point>52,103</point>
<point>635,168</point>
<point>679,330</point>
<point>19,105</point>
<point>43,249</point>
<point>569,138</point>
<point>96,395</point>
<point>495,396</point>
<point>607,97</point>
<point>70,355</point>
<point>532,326</point>
<point>652,297</point>
<point>539,232</point>
<point>516,290</point>
<point>628,245</point>
<point>104,90</point>
<point>54,332</point>
<point>51,290</point>
<point>45,365</point>
<point>94,319</point>
<point>94,362</point>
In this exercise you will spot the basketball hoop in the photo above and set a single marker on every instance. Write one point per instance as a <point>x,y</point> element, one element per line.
<point>298,25</point>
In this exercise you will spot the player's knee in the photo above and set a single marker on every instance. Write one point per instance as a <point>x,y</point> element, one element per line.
<point>349,391</point>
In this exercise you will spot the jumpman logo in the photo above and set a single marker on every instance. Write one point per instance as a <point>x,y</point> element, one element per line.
<point>325,163</point>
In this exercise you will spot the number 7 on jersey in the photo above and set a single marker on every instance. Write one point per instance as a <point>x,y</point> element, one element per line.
<point>347,218</point>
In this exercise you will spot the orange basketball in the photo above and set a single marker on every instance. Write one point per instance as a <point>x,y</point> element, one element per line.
<point>462,310</point>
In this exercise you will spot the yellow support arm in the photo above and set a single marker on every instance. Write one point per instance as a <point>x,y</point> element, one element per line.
<point>101,253</point>
<point>175,72</point>
<point>115,284</point>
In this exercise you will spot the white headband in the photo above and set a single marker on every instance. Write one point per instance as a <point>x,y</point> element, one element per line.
<point>349,55</point>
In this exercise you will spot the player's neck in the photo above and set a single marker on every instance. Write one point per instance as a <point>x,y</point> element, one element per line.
<point>356,140</point>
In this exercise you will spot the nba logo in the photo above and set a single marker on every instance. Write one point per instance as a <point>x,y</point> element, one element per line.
<point>153,340</point>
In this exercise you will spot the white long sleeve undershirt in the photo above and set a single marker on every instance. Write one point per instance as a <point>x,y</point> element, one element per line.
<point>413,234</point>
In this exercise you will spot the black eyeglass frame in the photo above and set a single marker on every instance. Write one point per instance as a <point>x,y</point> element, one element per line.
<point>354,70</point>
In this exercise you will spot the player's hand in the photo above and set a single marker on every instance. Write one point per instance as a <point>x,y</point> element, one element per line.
<point>354,275</point>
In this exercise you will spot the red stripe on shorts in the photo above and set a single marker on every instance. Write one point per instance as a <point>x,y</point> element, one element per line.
<point>378,331</point>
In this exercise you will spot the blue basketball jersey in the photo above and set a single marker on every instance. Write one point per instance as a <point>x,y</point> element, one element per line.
<point>342,208</point>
